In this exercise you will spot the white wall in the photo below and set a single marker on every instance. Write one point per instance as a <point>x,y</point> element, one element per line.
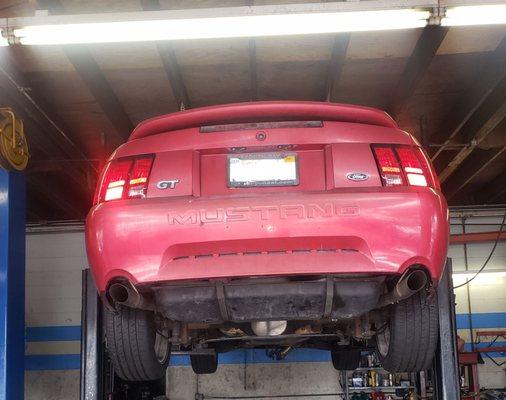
<point>53,306</point>
<point>54,262</point>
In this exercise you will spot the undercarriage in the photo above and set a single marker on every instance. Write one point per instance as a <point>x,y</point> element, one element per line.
<point>343,314</point>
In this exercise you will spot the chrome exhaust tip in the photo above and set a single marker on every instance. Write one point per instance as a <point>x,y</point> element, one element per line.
<point>411,282</point>
<point>126,294</point>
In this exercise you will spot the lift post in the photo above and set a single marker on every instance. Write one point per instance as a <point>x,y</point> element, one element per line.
<point>98,381</point>
<point>446,368</point>
<point>92,349</point>
<point>12,284</point>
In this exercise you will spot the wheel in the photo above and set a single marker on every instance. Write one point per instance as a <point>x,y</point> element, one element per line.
<point>345,360</point>
<point>408,340</point>
<point>204,363</point>
<point>137,351</point>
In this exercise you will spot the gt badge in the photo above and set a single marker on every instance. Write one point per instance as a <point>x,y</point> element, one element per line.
<point>171,184</point>
<point>357,176</point>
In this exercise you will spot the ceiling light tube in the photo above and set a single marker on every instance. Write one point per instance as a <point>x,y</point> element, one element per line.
<point>475,15</point>
<point>483,278</point>
<point>222,27</point>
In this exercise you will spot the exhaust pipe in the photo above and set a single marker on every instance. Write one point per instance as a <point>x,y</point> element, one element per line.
<point>410,283</point>
<point>127,295</point>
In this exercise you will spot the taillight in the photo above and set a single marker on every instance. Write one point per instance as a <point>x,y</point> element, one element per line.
<point>125,178</point>
<point>388,165</point>
<point>403,165</point>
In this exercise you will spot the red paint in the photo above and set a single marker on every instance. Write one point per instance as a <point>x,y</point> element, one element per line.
<point>262,111</point>
<point>202,229</point>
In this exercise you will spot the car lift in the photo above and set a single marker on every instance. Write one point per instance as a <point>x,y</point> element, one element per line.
<point>13,159</point>
<point>99,383</point>
<point>12,284</point>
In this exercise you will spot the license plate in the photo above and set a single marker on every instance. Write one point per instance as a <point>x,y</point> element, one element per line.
<point>263,169</point>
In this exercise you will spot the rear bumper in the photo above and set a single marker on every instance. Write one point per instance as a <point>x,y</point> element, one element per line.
<point>371,231</point>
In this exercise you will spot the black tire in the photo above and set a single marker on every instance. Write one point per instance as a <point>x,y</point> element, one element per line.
<point>408,341</point>
<point>204,363</point>
<point>345,360</point>
<point>130,341</point>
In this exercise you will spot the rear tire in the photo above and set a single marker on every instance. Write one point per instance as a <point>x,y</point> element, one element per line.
<point>408,341</point>
<point>345,360</point>
<point>131,339</point>
<point>204,363</point>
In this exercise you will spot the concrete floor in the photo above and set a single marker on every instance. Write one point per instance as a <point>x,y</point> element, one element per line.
<point>265,380</point>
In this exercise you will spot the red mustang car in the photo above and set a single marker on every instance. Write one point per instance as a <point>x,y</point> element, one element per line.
<point>273,225</point>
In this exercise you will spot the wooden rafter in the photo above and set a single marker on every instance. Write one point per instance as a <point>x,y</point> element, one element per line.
<point>95,80</point>
<point>336,63</point>
<point>490,77</point>
<point>425,49</point>
<point>170,64</point>
<point>483,121</point>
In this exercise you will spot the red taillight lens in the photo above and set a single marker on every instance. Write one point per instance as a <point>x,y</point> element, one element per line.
<point>125,178</point>
<point>138,183</point>
<point>388,165</point>
<point>408,164</point>
<point>412,167</point>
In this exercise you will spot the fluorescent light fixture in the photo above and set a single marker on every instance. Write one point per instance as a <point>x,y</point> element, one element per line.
<point>222,27</point>
<point>475,15</point>
<point>484,278</point>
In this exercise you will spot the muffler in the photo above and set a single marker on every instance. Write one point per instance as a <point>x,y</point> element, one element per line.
<point>268,328</point>
<point>126,294</point>
<point>411,281</point>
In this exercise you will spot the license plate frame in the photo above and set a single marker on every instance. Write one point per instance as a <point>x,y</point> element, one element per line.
<point>284,164</point>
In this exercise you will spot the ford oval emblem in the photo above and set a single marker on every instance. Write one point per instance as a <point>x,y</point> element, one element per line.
<point>357,176</point>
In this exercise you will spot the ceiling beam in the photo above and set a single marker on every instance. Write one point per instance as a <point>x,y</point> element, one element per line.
<point>253,70</point>
<point>174,75</point>
<point>150,5</point>
<point>94,79</point>
<point>53,6</point>
<point>483,121</point>
<point>490,76</point>
<point>474,166</point>
<point>336,63</point>
<point>170,64</point>
<point>425,49</point>
<point>234,11</point>
<point>91,74</point>
<point>252,56</point>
